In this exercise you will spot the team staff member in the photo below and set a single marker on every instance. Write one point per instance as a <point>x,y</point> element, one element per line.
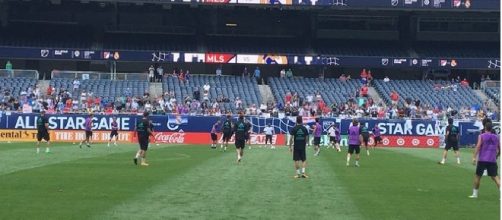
<point>355,140</point>
<point>297,144</point>
<point>363,130</point>
<point>88,131</point>
<point>43,131</point>
<point>452,136</point>
<point>240,129</point>
<point>485,156</point>
<point>269,132</point>
<point>144,131</point>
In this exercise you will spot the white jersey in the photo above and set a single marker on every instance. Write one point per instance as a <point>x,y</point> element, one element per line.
<point>268,130</point>
<point>332,132</point>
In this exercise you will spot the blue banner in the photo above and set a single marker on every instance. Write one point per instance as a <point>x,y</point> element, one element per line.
<point>166,123</point>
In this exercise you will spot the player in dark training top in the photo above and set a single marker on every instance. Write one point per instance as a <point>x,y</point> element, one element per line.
<point>485,157</point>
<point>297,144</point>
<point>88,131</point>
<point>377,136</point>
<point>114,132</point>
<point>43,131</point>
<point>144,131</point>
<point>241,128</point>
<point>452,136</point>
<point>365,133</point>
<point>227,132</point>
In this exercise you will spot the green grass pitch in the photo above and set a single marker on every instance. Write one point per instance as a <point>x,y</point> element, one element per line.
<point>195,182</point>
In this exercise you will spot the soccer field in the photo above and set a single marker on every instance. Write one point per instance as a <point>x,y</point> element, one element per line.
<point>195,182</point>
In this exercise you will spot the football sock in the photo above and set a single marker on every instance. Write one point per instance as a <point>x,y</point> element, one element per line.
<point>442,160</point>
<point>38,150</point>
<point>348,158</point>
<point>137,155</point>
<point>458,159</point>
<point>298,171</point>
<point>303,170</point>
<point>474,192</point>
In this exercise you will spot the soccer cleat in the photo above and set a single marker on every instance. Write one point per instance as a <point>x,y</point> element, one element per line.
<point>368,152</point>
<point>357,164</point>
<point>473,196</point>
<point>441,163</point>
<point>297,176</point>
<point>348,164</point>
<point>305,176</point>
<point>80,145</point>
<point>89,146</point>
<point>115,144</point>
<point>145,164</point>
<point>135,161</point>
<point>108,145</point>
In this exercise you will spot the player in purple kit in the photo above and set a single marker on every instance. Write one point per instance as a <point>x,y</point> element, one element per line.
<point>214,134</point>
<point>486,154</point>
<point>355,140</point>
<point>317,136</point>
<point>88,131</point>
<point>114,133</point>
<point>377,136</point>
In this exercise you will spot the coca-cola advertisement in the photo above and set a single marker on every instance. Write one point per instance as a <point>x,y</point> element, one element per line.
<point>169,138</point>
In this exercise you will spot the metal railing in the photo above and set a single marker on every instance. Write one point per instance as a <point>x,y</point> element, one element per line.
<point>85,75</point>
<point>19,73</point>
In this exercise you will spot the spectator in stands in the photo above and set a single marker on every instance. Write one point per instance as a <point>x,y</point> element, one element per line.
<point>151,73</point>
<point>245,72</point>
<point>50,90</point>
<point>282,73</point>
<point>464,83</point>
<point>206,87</point>
<point>128,92</point>
<point>394,97</point>
<point>257,75</point>
<point>363,74</point>
<point>289,73</point>
<point>364,91</point>
<point>342,77</point>
<point>76,84</point>
<point>188,76</point>
<point>196,94</point>
<point>369,77</point>
<point>8,67</point>
<point>238,103</point>
<point>349,77</point>
<point>386,79</point>
<point>219,71</point>
<point>160,73</point>
<point>288,97</point>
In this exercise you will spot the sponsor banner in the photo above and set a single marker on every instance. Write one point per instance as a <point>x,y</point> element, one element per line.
<point>97,136</point>
<point>18,135</point>
<point>388,141</point>
<point>277,139</point>
<point>205,138</point>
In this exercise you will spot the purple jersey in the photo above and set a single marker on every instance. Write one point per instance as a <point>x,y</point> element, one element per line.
<point>489,147</point>
<point>88,124</point>
<point>354,135</point>
<point>376,131</point>
<point>337,133</point>
<point>317,130</point>
<point>215,129</point>
<point>115,126</point>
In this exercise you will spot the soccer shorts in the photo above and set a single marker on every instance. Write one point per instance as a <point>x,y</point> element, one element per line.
<point>354,148</point>
<point>114,133</point>
<point>334,140</point>
<point>227,136</point>
<point>299,154</point>
<point>214,137</point>
<point>490,167</point>
<point>143,142</point>
<point>317,140</point>
<point>240,144</point>
<point>451,144</point>
<point>43,135</point>
<point>378,139</point>
<point>268,139</point>
<point>246,136</point>
<point>88,134</point>
<point>366,139</point>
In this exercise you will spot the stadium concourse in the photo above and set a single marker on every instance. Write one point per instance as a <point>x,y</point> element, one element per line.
<point>217,95</point>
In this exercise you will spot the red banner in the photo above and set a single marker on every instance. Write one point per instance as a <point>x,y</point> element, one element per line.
<point>205,138</point>
<point>409,141</point>
<point>218,57</point>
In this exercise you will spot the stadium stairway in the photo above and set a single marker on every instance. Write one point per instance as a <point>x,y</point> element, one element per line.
<point>374,94</point>
<point>43,85</point>
<point>155,89</point>
<point>266,93</point>
<point>484,97</point>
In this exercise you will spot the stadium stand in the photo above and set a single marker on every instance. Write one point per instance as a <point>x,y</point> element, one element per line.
<point>331,90</point>
<point>16,85</point>
<point>229,86</point>
<point>494,94</point>
<point>107,89</point>
<point>433,93</point>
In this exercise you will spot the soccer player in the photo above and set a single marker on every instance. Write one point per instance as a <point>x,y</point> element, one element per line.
<point>144,131</point>
<point>227,132</point>
<point>366,137</point>
<point>317,128</point>
<point>214,135</point>
<point>248,133</point>
<point>240,129</point>
<point>43,131</point>
<point>269,132</point>
<point>486,154</point>
<point>377,136</point>
<point>297,144</point>
<point>114,133</point>
<point>334,137</point>
<point>355,139</point>
<point>88,131</point>
<point>451,137</point>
